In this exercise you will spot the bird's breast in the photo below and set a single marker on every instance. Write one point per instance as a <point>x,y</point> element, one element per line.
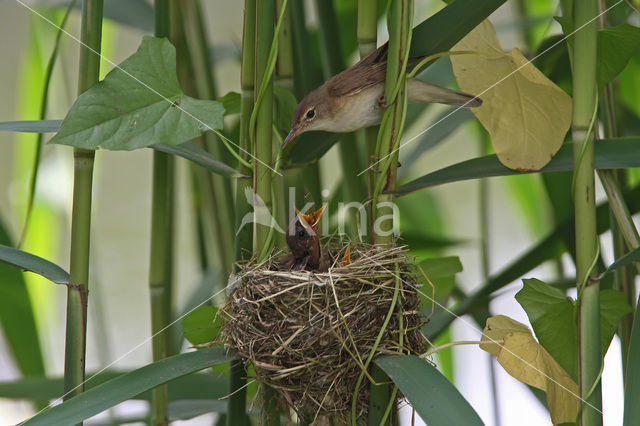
<point>357,111</point>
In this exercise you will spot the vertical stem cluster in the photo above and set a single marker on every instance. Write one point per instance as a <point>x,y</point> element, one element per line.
<point>76,324</point>
<point>400,26</point>
<point>584,103</point>
<point>395,96</point>
<point>160,255</point>
<point>262,143</point>
<point>243,237</point>
<point>262,149</point>
<point>334,62</point>
<point>367,41</point>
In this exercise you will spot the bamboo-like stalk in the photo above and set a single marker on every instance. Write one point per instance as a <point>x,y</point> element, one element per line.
<point>262,142</point>
<point>584,104</point>
<point>237,400</point>
<point>215,191</point>
<point>77,294</point>
<point>367,41</point>
<point>160,254</point>
<point>262,148</point>
<point>303,83</point>
<point>350,157</point>
<point>399,22</point>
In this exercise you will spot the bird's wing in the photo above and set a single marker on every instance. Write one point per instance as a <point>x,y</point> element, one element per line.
<point>356,79</point>
<point>362,75</point>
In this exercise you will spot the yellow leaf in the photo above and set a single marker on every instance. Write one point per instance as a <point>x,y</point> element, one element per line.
<point>525,113</point>
<point>526,360</point>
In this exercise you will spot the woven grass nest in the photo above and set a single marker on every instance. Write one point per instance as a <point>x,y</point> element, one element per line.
<point>308,333</point>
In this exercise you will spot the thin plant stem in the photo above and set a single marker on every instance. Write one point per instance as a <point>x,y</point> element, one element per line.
<point>262,148</point>
<point>584,101</point>
<point>160,254</point>
<point>305,79</point>
<point>237,402</point>
<point>367,42</point>
<point>78,290</point>
<point>350,156</point>
<point>43,113</point>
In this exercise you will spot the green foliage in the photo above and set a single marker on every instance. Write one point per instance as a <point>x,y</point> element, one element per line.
<point>128,385</point>
<point>616,46</point>
<point>139,103</point>
<point>553,317</point>
<point>433,397</point>
<point>618,153</point>
<point>29,262</point>
<point>17,317</point>
<point>201,325</point>
<point>441,272</point>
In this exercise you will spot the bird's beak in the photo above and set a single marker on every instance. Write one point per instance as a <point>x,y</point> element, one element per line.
<point>305,220</point>
<point>315,216</point>
<point>295,131</point>
<point>310,221</point>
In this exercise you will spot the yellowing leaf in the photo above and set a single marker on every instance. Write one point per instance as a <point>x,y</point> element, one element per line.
<point>525,113</point>
<point>526,360</point>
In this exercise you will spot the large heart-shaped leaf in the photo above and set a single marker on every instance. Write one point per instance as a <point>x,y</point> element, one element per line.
<point>139,103</point>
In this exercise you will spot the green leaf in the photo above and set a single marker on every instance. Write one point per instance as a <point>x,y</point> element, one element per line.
<point>632,378</point>
<point>441,128</point>
<point>127,386</point>
<point>231,103</point>
<point>441,272</point>
<point>31,126</point>
<point>613,306</point>
<point>199,156</point>
<point>193,386</point>
<point>616,45</point>
<point>135,13</point>
<point>17,318</point>
<point>441,31</point>
<point>201,325</point>
<point>284,107</point>
<point>552,316</point>
<point>617,153</point>
<point>627,259</point>
<point>138,104</point>
<point>550,247</point>
<point>433,397</point>
<point>32,263</point>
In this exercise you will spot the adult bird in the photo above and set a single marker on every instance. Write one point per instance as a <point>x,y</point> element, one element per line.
<point>354,98</point>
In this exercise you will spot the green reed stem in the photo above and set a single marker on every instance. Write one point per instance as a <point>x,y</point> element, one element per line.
<point>78,290</point>
<point>584,101</point>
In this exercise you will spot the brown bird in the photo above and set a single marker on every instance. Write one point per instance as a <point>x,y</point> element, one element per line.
<point>302,238</point>
<point>354,99</point>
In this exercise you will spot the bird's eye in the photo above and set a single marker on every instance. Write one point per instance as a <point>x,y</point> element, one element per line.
<point>301,234</point>
<point>311,113</point>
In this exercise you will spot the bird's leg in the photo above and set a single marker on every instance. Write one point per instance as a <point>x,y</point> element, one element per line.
<point>382,104</point>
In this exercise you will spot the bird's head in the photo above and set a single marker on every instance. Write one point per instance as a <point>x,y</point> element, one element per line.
<point>312,113</point>
<point>302,235</point>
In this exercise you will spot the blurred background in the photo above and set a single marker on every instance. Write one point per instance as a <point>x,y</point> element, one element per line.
<point>119,319</point>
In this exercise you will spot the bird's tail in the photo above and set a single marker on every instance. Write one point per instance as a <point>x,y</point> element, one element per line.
<point>420,91</point>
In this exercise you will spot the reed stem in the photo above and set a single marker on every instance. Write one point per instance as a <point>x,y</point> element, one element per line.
<point>78,290</point>
<point>584,104</point>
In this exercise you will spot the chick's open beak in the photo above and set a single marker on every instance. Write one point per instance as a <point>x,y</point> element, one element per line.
<point>295,131</point>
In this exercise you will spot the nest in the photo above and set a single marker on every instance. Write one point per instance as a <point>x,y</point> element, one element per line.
<point>308,334</point>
